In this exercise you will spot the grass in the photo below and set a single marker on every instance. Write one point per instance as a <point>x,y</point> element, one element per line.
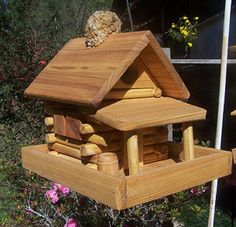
<point>7,203</point>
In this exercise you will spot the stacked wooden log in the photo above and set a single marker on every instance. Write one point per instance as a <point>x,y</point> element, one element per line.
<point>96,139</point>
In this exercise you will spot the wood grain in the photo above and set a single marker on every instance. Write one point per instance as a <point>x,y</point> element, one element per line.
<point>176,177</point>
<point>126,115</point>
<point>102,187</point>
<point>234,155</point>
<point>233,113</point>
<point>152,182</point>
<point>162,71</point>
<point>80,75</point>
<point>135,77</point>
<point>188,143</point>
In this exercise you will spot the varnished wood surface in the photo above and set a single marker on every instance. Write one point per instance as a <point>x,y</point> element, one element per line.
<point>233,113</point>
<point>152,182</point>
<point>149,112</point>
<point>102,187</point>
<point>80,75</point>
<point>179,176</point>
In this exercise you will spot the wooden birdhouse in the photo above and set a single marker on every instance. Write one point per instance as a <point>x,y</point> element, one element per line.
<point>108,109</point>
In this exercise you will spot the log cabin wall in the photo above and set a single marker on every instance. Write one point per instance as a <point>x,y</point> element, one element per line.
<point>74,133</point>
<point>81,137</point>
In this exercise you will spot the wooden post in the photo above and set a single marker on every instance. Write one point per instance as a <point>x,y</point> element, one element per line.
<point>132,152</point>
<point>188,153</point>
<point>140,147</point>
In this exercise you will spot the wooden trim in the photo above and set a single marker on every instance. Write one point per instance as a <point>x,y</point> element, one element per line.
<point>97,185</point>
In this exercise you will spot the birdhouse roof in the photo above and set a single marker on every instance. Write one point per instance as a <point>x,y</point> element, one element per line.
<point>131,114</point>
<point>80,75</point>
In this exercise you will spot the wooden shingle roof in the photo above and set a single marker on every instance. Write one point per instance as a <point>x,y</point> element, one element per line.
<point>80,75</point>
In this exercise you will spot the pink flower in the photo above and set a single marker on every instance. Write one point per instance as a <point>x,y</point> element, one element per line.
<point>43,62</point>
<point>64,190</point>
<point>52,195</point>
<point>71,223</point>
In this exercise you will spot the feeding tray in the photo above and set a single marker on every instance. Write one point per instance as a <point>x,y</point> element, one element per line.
<point>154,181</point>
<point>108,110</point>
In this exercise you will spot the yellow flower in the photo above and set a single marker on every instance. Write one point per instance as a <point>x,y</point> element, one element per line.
<point>185,32</point>
<point>196,18</point>
<point>190,44</point>
<point>187,21</point>
<point>185,18</point>
<point>173,25</point>
<point>181,28</point>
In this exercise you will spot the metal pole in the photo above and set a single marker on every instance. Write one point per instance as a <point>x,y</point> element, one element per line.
<point>130,16</point>
<point>221,101</point>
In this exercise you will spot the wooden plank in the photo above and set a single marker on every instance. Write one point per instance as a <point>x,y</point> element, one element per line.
<point>73,127</point>
<point>81,75</point>
<point>163,73</point>
<point>135,77</point>
<point>102,187</point>
<point>158,164</point>
<point>130,114</point>
<point>174,178</point>
<point>59,123</point>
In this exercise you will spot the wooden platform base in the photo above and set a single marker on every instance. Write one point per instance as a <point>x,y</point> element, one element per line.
<point>154,180</point>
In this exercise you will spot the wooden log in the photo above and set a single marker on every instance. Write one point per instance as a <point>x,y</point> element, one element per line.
<point>72,159</point>
<point>132,152</point>
<point>63,149</point>
<point>108,163</point>
<point>50,138</point>
<point>89,149</point>
<point>234,155</point>
<point>188,153</point>
<point>117,94</point>
<point>86,128</point>
<point>77,144</point>
<point>64,140</point>
<point>103,139</point>
<point>140,147</point>
<point>48,121</point>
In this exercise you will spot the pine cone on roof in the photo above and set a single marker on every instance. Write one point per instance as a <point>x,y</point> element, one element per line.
<point>99,26</point>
